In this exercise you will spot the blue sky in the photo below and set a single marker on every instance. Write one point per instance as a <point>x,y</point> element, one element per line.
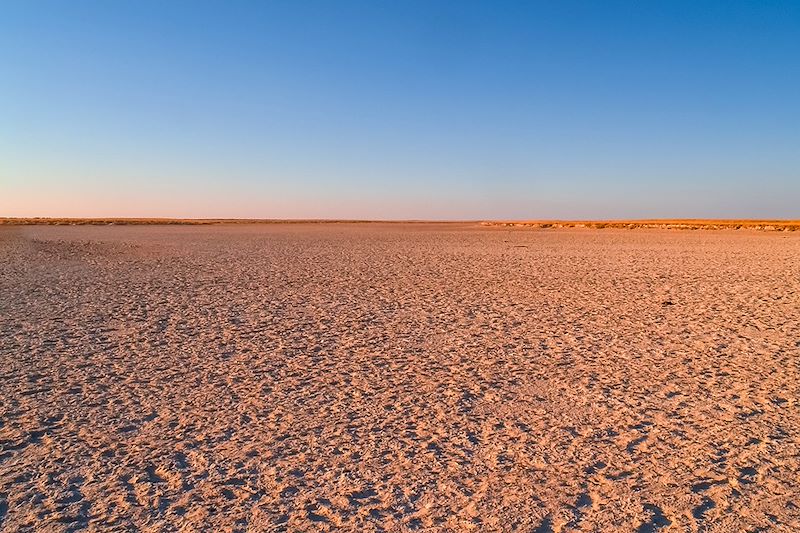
<point>438,110</point>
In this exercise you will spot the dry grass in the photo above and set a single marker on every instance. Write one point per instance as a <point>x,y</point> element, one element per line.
<point>692,224</point>
<point>46,221</point>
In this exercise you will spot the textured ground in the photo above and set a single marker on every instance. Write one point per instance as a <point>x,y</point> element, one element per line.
<point>398,377</point>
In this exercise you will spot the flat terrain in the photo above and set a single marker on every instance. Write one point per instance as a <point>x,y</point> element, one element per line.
<point>685,224</point>
<point>397,377</point>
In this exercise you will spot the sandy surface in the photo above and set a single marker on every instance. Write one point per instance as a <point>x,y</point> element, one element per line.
<point>393,378</point>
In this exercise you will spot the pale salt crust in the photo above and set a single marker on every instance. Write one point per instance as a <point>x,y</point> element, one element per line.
<point>398,377</point>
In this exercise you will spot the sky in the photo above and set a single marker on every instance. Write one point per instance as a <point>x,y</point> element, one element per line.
<point>400,110</point>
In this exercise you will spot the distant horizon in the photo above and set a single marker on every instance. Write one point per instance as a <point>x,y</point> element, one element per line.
<point>404,220</point>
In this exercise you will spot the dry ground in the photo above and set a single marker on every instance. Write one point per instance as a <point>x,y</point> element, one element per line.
<point>395,378</point>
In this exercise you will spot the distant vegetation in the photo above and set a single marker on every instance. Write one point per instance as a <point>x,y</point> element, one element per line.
<point>43,221</point>
<point>764,225</point>
<point>687,224</point>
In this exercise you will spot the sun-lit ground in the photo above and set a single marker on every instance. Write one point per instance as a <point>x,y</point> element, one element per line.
<point>389,377</point>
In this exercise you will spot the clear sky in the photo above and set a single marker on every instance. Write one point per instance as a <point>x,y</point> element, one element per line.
<point>400,109</point>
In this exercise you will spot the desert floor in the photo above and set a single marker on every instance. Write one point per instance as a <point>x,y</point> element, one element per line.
<point>384,377</point>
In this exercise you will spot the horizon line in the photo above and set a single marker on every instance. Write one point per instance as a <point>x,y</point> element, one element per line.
<point>662,223</point>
